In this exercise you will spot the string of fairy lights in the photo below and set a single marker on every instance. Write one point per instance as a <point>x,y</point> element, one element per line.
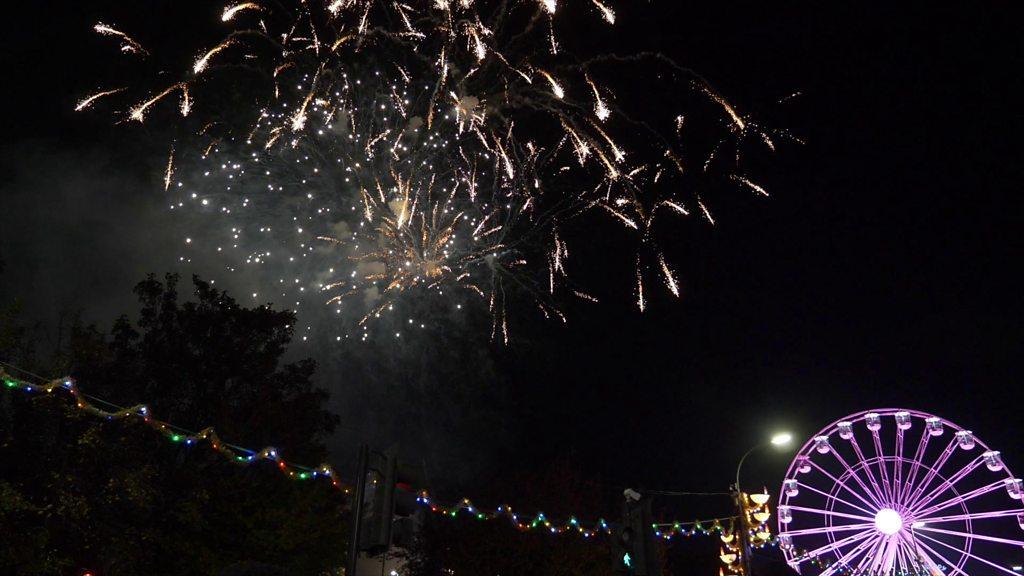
<point>723,527</point>
<point>666,531</point>
<point>241,455</point>
<point>174,433</point>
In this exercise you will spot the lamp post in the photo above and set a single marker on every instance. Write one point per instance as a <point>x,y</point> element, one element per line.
<point>779,440</point>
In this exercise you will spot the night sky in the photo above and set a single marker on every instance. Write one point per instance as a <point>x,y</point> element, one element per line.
<point>882,271</point>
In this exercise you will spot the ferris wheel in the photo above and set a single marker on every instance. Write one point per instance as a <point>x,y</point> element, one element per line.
<point>900,492</point>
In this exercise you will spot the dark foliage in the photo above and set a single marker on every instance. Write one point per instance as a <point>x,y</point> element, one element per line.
<point>114,497</point>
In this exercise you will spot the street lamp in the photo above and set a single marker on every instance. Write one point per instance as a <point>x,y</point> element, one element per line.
<point>779,440</point>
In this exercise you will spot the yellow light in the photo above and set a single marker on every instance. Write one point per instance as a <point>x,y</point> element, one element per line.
<point>761,517</point>
<point>782,439</point>
<point>760,499</point>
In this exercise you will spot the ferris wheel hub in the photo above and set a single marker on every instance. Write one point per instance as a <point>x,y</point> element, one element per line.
<point>888,521</point>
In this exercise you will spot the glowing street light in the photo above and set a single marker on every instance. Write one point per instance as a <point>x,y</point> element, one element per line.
<point>778,440</point>
<point>757,516</point>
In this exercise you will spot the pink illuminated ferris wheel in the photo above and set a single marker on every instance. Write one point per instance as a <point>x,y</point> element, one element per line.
<point>891,492</point>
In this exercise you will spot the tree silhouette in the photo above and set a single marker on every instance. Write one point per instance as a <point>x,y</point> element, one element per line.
<point>77,493</point>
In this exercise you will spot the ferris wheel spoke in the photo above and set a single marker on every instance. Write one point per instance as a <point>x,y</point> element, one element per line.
<point>958,499</point>
<point>844,560</point>
<point>947,483</point>
<point>831,513</point>
<point>886,486</point>
<point>876,556</point>
<point>901,557</point>
<point>922,445</point>
<point>918,560</point>
<point>897,466</point>
<point>945,561</point>
<point>827,529</point>
<point>867,557</point>
<point>972,516</point>
<point>877,492</point>
<point>932,565</point>
<point>902,547</point>
<point>890,553</point>
<point>862,497</point>
<point>836,498</point>
<point>968,535</point>
<point>900,560</point>
<point>887,554</point>
<point>932,471</point>
<point>834,545</point>
<point>968,554</point>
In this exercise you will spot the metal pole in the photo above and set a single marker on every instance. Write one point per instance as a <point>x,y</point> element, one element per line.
<point>742,460</point>
<point>357,511</point>
<point>741,507</point>
<point>744,529</point>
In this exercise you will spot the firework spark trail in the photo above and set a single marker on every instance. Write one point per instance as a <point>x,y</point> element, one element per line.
<point>231,11</point>
<point>203,61</point>
<point>670,279</point>
<point>600,108</point>
<point>86,102</point>
<point>385,162</point>
<point>641,303</point>
<point>737,120</point>
<point>746,182</point>
<point>186,101</point>
<point>607,13</point>
<point>556,88</point>
<point>169,171</point>
<point>128,44</point>
<point>138,113</point>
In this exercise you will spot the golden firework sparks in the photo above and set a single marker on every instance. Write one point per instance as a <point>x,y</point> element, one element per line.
<point>128,44</point>
<point>231,11</point>
<point>138,113</point>
<point>607,13</point>
<point>556,88</point>
<point>746,182</point>
<point>86,102</point>
<point>737,120</point>
<point>600,108</point>
<point>186,100</point>
<point>169,172</point>
<point>203,61</point>
<point>421,183</point>
<point>670,279</point>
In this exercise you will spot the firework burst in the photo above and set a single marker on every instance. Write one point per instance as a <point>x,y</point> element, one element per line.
<point>388,149</point>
